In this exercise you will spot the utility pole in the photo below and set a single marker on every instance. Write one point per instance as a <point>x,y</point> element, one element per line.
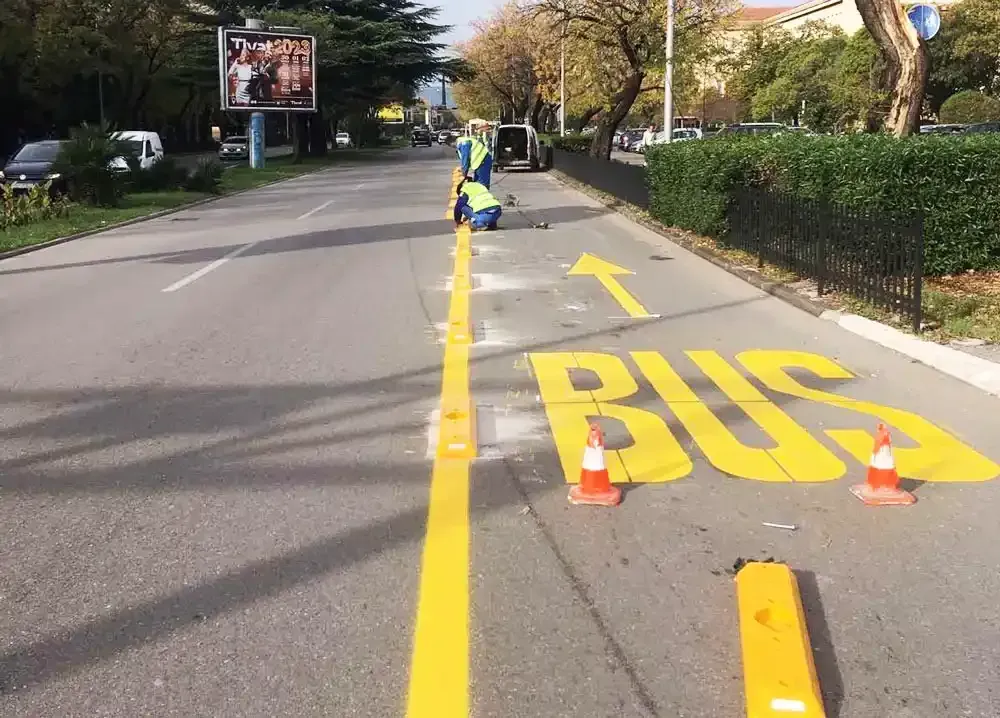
<point>562,87</point>
<point>257,141</point>
<point>444,92</point>
<point>668,78</point>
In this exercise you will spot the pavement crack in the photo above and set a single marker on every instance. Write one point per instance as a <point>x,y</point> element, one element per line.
<point>613,648</point>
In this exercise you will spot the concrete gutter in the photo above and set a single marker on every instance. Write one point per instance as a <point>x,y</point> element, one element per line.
<point>976,371</point>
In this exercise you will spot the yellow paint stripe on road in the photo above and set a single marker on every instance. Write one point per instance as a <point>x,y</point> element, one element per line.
<point>439,669</point>
<point>801,455</point>
<point>778,670</point>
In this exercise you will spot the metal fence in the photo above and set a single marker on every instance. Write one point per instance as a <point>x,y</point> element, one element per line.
<point>873,258</point>
<point>618,179</point>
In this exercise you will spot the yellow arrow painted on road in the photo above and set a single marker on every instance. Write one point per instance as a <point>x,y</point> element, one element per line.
<point>605,273</point>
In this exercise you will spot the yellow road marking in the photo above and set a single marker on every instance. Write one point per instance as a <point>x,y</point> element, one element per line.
<point>778,670</point>
<point>655,455</point>
<point>604,271</point>
<point>797,452</point>
<point>439,669</point>
<point>938,457</point>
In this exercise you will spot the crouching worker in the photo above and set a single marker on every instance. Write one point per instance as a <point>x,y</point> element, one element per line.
<point>476,204</point>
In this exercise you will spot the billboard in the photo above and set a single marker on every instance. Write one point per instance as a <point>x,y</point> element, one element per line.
<point>261,71</point>
<point>391,114</point>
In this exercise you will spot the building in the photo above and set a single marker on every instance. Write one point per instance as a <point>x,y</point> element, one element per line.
<point>842,14</point>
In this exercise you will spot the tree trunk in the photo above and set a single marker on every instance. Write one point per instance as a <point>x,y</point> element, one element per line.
<point>317,134</point>
<point>606,126</point>
<point>586,117</point>
<point>300,137</point>
<point>536,111</point>
<point>905,55</point>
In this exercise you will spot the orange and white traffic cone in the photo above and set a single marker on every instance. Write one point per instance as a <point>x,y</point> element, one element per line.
<point>882,487</point>
<point>595,485</point>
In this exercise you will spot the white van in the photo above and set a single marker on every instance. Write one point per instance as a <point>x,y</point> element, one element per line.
<point>146,146</point>
<point>516,146</point>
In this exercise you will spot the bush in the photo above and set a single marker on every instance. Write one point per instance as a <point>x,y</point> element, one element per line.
<point>20,209</point>
<point>207,177</point>
<point>969,107</point>
<point>161,176</point>
<point>84,161</point>
<point>572,143</point>
<point>951,179</point>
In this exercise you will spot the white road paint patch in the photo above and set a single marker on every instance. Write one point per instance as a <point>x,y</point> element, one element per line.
<point>433,432</point>
<point>491,335</point>
<point>574,307</point>
<point>503,431</point>
<point>314,210</point>
<point>195,276</point>
<point>487,283</point>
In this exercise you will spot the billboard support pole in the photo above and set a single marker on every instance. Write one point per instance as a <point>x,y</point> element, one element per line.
<point>257,141</point>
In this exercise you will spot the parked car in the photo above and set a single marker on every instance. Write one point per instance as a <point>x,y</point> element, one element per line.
<point>420,136</point>
<point>235,147</point>
<point>343,139</point>
<point>753,128</point>
<point>629,139</point>
<point>952,129</point>
<point>983,127</point>
<point>32,165</point>
<point>145,147</point>
<point>516,146</point>
<point>681,134</point>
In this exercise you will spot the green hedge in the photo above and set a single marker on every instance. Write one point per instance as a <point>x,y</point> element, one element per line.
<point>954,180</point>
<point>572,143</point>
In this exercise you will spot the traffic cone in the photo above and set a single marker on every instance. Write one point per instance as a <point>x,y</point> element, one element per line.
<point>595,485</point>
<point>882,486</point>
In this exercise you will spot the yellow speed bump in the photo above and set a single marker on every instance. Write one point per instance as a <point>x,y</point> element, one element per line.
<point>778,670</point>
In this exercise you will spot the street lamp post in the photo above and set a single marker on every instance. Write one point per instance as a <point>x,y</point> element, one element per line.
<point>668,79</point>
<point>562,87</point>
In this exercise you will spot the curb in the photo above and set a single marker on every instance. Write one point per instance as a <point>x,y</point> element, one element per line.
<point>10,253</point>
<point>980,373</point>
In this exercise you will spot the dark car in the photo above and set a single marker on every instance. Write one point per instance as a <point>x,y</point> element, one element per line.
<point>32,165</point>
<point>753,129</point>
<point>421,136</point>
<point>983,127</point>
<point>629,138</point>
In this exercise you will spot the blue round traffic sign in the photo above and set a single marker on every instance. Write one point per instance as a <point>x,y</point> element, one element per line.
<point>926,19</point>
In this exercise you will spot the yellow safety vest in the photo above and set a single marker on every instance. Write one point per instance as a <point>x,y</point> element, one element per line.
<point>479,153</point>
<point>479,197</point>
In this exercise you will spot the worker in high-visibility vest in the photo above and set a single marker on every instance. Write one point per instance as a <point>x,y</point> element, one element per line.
<point>476,204</point>
<point>474,159</point>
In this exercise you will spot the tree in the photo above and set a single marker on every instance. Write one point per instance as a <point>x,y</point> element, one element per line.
<point>966,53</point>
<point>906,61</point>
<point>969,107</point>
<point>629,34</point>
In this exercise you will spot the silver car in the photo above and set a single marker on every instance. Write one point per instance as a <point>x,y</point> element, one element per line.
<point>234,148</point>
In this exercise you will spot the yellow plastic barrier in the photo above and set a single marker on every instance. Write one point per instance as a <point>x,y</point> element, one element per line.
<point>778,670</point>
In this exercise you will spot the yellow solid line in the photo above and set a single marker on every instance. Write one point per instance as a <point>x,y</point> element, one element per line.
<point>629,303</point>
<point>439,669</point>
<point>778,670</point>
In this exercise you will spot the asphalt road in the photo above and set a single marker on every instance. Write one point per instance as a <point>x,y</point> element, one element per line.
<point>214,471</point>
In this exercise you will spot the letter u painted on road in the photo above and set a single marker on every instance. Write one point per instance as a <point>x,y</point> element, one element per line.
<point>796,455</point>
